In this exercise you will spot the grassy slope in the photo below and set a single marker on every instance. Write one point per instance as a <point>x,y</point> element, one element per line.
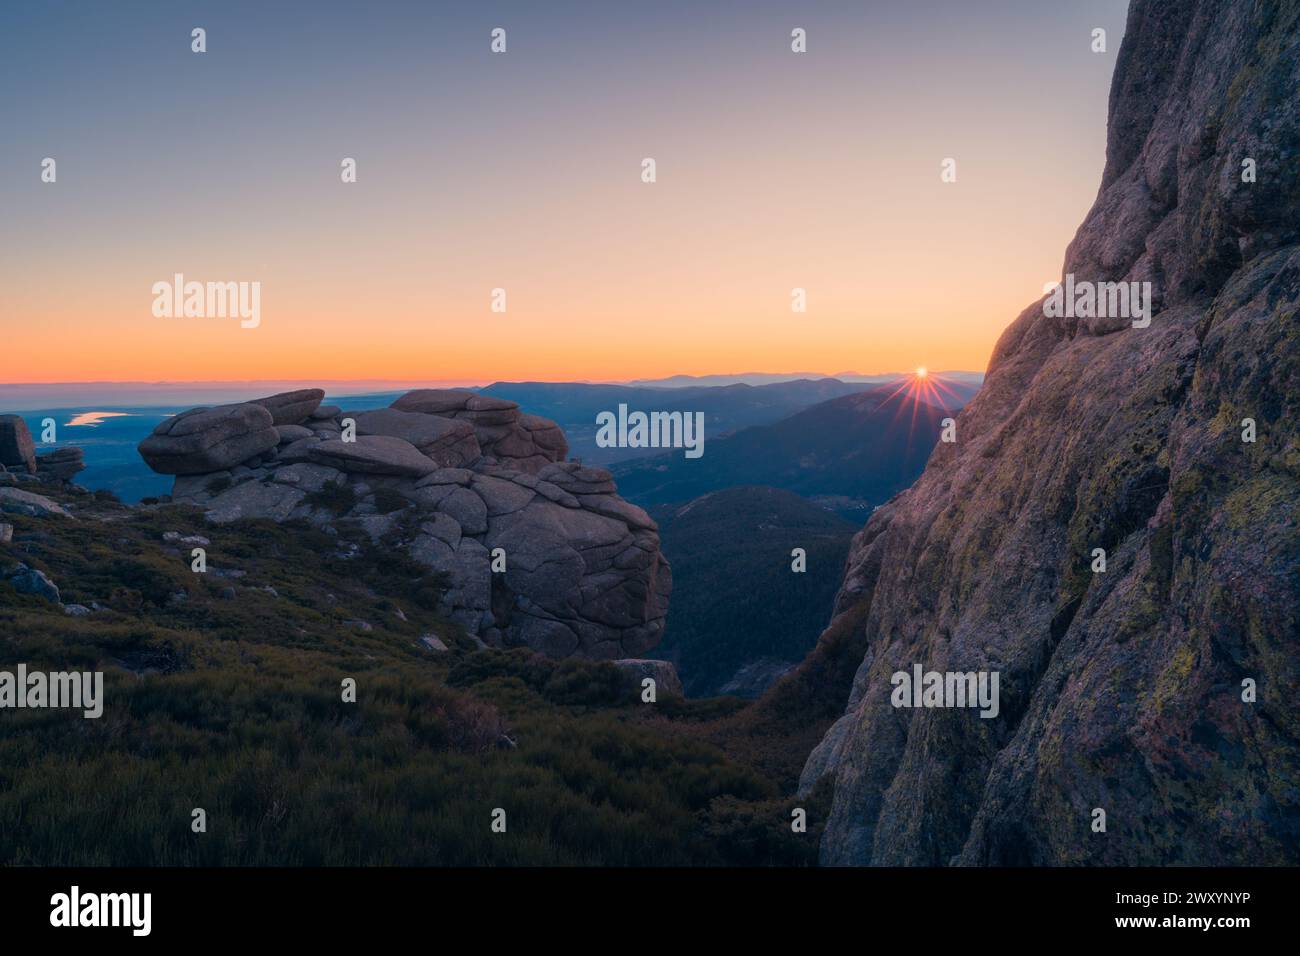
<point>233,705</point>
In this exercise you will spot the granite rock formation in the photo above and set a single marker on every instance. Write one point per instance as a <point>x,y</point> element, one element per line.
<point>450,477</point>
<point>204,440</point>
<point>61,465</point>
<point>1123,689</point>
<point>17,452</point>
<point>19,460</point>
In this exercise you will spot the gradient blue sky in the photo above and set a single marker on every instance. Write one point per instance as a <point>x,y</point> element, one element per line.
<point>522,171</point>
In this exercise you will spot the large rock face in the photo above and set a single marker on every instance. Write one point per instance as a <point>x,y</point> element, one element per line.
<point>536,551</point>
<point>1120,689</point>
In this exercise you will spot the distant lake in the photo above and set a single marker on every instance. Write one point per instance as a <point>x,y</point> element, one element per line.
<point>94,418</point>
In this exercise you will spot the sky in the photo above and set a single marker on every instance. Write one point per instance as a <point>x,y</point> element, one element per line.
<point>523,171</point>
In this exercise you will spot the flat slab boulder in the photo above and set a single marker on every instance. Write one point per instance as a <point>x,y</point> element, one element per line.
<point>457,403</point>
<point>306,476</point>
<point>447,441</point>
<point>528,442</point>
<point>293,433</point>
<point>446,476</point>
<point>254,499</point>
<point>291,408</point>
<point>612,506</point>
<point>62,464</point>
<point>489,403</point>
<point>27,580</point>
<point>579,479</point>
<point>434,401</point>
<point>373,455</point>
<point>209,439</point>
<point>19,502</point>
<point>297,451</point>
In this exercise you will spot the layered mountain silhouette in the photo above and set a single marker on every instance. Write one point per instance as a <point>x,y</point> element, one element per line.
<point>1155,693</point>
<point>862,447</point>
<point>726,408</point>
<point>971,379</point>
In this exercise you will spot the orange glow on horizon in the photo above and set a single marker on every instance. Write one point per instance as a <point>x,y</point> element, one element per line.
<point>84,340</point>
<point>524,175</point>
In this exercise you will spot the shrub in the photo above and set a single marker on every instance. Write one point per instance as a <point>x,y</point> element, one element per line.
<point>239,701</point>
<point>336,497</point>
<point>387,501</point>
<point>153,582</point>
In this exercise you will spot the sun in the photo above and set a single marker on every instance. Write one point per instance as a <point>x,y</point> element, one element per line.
<point>924,388</point>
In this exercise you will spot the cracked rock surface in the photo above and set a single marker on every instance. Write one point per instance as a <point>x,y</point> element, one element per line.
<point>1120,690</point>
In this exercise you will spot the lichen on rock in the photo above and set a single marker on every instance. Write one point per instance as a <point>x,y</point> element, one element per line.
<point>1121,690</point>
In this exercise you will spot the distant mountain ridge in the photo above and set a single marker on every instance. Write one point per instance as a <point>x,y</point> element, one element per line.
<point>777,378</point>
<point>726,408</point>
<point>26,396</point>
<point>866,447</point>
<point>110,443</point>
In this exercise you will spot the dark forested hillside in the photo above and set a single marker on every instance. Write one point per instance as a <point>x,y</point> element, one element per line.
<point>740,616</point>
<point>862,448</point>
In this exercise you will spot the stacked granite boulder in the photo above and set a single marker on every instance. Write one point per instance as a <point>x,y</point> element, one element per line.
<point>60,466</point>
<point>19,460</point>
<point>449,476</point>
<point>530,442</point>
<point>17,451</point>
